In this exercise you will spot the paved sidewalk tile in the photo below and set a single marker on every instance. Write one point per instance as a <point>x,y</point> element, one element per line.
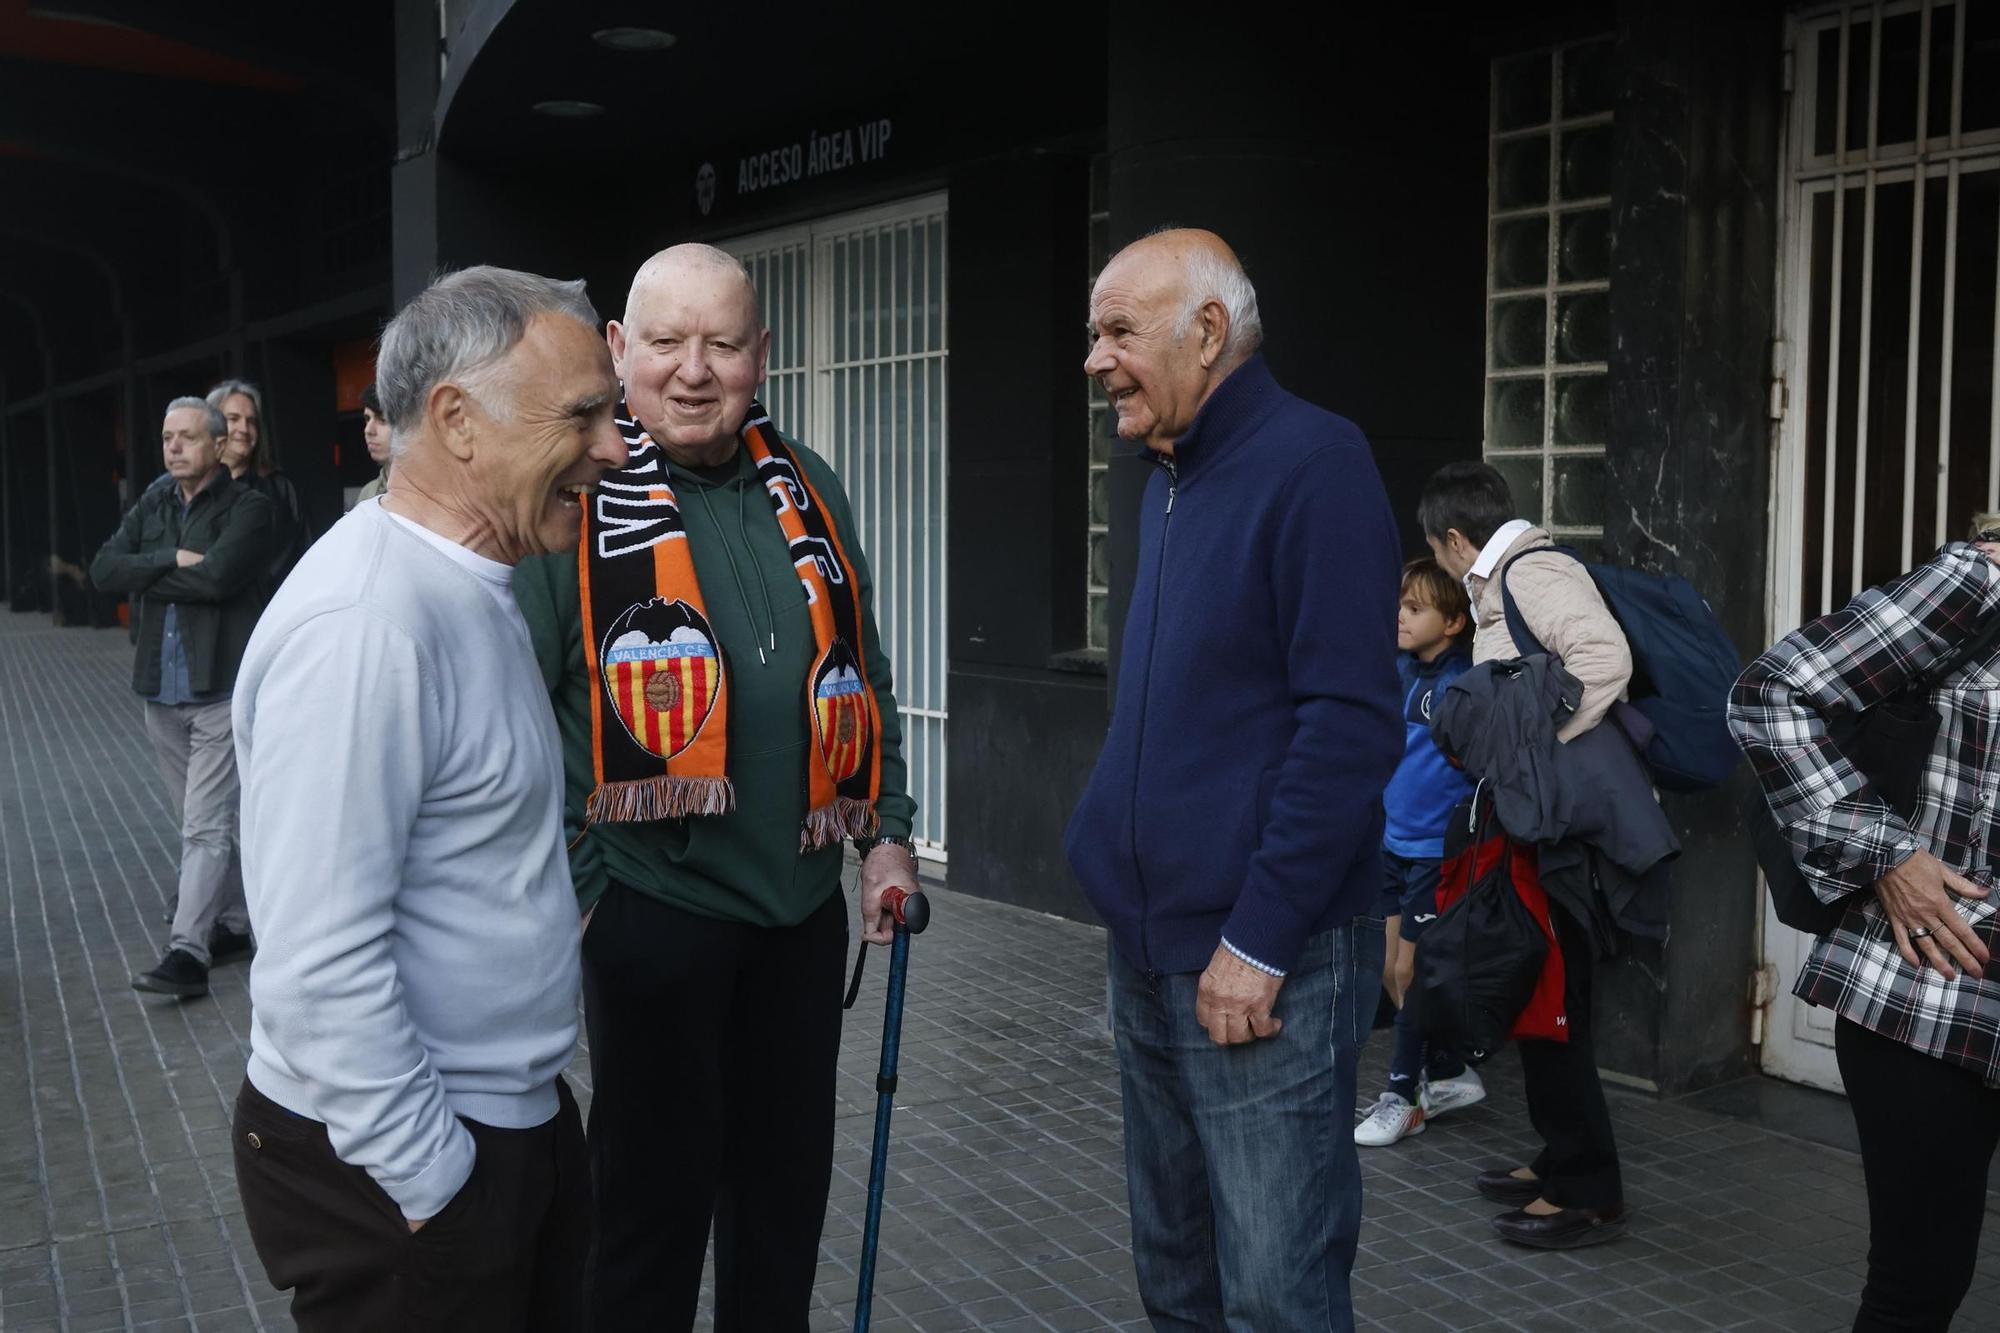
<point>1006,1199</point>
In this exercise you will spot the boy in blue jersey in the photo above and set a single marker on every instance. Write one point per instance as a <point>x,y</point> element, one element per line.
<point>1433,630</point>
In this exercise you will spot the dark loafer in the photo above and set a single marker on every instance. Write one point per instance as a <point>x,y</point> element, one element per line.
<point>1502,1186</point>
<point>178,974</point>
<point>1570,1229</point>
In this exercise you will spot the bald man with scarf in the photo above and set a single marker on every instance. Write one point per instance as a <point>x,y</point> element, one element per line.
<point>729,721</point>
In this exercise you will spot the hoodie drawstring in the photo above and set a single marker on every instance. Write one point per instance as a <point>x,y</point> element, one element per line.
<point>736,573</point>
<point>743,530</point>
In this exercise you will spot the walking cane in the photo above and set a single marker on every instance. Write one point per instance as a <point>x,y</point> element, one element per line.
<point>912,912</point>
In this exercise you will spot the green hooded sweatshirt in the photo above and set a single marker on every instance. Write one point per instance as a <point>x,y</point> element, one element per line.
<point>746,865</point>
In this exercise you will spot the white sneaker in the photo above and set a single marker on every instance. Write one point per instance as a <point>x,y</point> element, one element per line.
<point>1453,1094</point>
<point>1391,1119</point>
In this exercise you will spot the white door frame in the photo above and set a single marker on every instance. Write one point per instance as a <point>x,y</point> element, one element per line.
<point>1791,1047</point>
<point>1798,1038</point>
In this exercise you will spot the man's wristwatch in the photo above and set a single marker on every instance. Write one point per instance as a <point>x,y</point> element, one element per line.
<point>863,846</point>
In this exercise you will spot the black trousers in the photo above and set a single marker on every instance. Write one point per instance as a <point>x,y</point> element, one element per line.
<point>1579,1160</point>
<point>713,1052</point>
<point>506,1254</point>
<point>1928,1130</point>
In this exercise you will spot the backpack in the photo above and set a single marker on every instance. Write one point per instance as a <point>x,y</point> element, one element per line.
<point>1683,665</point>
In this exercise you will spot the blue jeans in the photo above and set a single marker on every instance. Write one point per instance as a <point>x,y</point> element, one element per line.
<point>1240,1160</point>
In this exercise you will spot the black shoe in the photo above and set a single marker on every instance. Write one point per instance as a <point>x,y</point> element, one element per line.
<point>226,946</point>
<point>1502,1186</point>
<point>1569,1229</point>
<point>178,974</point>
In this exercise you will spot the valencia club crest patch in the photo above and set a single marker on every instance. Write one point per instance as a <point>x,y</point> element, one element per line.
<point>663,675</point>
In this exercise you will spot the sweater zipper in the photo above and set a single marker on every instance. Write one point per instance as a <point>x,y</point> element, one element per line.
<point>1145,688</point>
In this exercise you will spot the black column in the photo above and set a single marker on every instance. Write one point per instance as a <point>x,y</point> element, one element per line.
<point>7,487</point>
<point>1343,156</point>
<point>1694,256</point>
<point>1026,720</point>
<point>27,529</point>
<point>413,178</point>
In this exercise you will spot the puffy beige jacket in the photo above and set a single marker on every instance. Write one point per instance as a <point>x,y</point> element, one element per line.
<point>1563,609</point>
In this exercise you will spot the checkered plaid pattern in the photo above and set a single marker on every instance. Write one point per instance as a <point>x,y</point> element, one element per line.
<point>1844,836</point>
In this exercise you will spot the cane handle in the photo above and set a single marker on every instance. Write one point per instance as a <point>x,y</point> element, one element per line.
<point>911,910</point>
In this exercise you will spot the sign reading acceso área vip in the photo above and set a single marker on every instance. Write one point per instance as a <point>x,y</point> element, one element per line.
<point>818,153</point>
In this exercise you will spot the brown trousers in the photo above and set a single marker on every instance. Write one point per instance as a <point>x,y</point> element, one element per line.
<point>507,1252</point>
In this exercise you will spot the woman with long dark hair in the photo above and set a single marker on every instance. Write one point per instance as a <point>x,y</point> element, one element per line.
<point>250,458</point>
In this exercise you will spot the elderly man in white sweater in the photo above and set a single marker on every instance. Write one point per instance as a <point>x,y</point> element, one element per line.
<point>408,1153</point>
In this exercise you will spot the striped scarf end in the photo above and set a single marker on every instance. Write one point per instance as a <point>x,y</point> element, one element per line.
<point>844,818</point>
<point>659,798</point>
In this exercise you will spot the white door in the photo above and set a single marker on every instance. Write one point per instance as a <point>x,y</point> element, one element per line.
<point>1890,434</point>
<point>856,308</point>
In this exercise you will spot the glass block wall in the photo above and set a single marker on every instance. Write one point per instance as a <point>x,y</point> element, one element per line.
<point>1548,283</point>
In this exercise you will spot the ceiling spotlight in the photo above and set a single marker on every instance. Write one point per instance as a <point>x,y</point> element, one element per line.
<point>633,39</point>
<point>563,109</point>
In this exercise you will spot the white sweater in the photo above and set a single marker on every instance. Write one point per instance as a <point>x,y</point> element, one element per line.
<point>402,852</point>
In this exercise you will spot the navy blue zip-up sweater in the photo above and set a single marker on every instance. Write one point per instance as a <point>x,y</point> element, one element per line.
<point>1239,792</point>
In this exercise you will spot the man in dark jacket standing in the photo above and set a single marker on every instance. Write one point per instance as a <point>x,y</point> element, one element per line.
<point>1231,833</point>
<point>191,556</point>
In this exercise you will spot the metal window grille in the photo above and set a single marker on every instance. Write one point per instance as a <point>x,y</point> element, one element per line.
<point>1891,295</point>
<point>781,270</point>
<point>1097,579</point>
<point>857,310</point>
<point>1548,283</point>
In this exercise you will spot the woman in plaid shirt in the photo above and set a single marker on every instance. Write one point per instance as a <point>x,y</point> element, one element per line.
<point>1918,1028</point>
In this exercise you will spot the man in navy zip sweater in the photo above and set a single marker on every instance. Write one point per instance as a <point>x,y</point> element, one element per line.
<point>1231,833</point>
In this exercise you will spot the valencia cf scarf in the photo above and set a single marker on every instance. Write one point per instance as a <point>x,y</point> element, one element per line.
<point>659,683</point>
